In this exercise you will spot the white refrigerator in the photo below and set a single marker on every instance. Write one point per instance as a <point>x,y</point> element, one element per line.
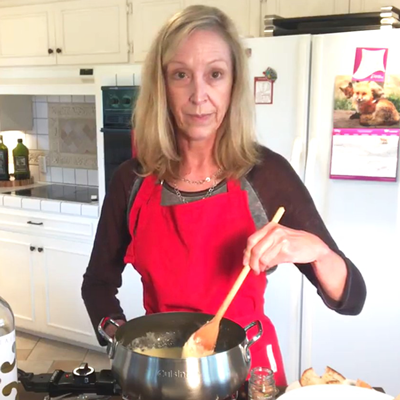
<point>362,216</point>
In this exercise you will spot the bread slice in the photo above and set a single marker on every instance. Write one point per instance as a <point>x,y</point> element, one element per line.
<point>363,384</point>
<point>333,382</point>
<point>310,377</point>
<point>332,375</point>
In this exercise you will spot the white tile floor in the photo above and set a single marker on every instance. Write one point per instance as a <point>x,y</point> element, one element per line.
<point>43,355</point>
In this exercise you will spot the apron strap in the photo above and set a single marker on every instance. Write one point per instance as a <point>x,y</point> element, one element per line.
<point>233,185</point>
<point>143,195</point>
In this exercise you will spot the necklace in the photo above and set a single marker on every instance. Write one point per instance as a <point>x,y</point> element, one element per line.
<point>205,180</point>
<point>183,200</point>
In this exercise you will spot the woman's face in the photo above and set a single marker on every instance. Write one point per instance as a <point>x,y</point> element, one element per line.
<point>199,84</point>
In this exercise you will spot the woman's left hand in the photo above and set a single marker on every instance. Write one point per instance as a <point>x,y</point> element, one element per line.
<point>276,244</point>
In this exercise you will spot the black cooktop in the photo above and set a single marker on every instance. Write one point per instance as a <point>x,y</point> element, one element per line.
<point>82,382</point>
<point>80,194</point>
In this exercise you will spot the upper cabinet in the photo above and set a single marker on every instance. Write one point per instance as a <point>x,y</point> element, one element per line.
<point>371,5</point>
<point>150,15</point>
<point>290,8</point>
<point>245,13</point>
<point>91,31</point>
<point>27,36</point>
<point>78,32</point>
<point>148,18</point>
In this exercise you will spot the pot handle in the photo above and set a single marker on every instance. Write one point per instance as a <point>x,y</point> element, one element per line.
<point>110,340</point>
<point>257,336</point>
<point>102,324</point>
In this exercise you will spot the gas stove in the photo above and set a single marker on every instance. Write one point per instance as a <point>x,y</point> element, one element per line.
<point>83,380</point>
<point>84,383</point>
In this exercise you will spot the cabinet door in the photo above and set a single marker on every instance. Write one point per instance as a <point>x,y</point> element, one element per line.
<point>149,17</point>
<point>63,264</point>
<point>245,13</point>
<point>17,281</point>
<point>371,5</point>
<point>130,294</point>
<point>27,36</point>
<point>91,31</point>
<point>290,8</point>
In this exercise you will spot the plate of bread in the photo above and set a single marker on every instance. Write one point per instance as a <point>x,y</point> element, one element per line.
<point>330,386</point>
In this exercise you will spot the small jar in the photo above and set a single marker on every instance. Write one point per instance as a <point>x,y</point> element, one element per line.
<point>262,384</point>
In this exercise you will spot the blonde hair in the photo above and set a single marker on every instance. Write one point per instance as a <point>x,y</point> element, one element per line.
<point>235,149</point>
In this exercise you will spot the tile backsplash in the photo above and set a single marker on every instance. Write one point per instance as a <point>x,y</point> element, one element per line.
<point>86,177</point>
<point>64,131</point>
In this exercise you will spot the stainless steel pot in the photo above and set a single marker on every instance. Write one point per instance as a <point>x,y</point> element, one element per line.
<point>151,378</point>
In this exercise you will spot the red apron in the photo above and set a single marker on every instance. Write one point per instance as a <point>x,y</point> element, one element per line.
<point>189,256</point>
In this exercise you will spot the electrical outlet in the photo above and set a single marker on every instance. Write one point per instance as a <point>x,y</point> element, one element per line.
<point>42,164</point>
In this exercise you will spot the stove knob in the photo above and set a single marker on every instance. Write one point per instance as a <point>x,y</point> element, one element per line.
<point>114,101</point>
<point>84,374</point>
<point>126,101</point>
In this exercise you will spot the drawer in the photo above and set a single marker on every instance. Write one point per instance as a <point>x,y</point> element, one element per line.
<point>40,223</point>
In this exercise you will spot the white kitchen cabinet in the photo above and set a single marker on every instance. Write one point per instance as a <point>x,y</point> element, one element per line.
<point>245,13</point>
<point>27,35</point>
<point>17,284</point>
<point>130,294</point>
<point>70,32</point>
<point>91,31</point>
<point>43,257</point>
<point>41,272</point>
<point>60,268</point>
<point>148,18</point>
<point>290,8</point>
<point>150,15</point>
<point>357,6</point>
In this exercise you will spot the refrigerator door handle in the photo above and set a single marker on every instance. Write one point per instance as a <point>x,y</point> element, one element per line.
<point>296,158</point>
<point>310,165</point>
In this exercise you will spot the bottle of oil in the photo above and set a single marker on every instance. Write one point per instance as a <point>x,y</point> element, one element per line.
<point>21,161</point>
<point>8,364</point>
<point>4,176</point>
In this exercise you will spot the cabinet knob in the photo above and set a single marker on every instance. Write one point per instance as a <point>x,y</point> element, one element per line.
<point>32,248</point>
<point>59,51</point>
<point>50,51</point>
<point>40,249</point>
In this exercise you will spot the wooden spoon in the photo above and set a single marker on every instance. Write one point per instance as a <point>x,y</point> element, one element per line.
<point>203,341</point>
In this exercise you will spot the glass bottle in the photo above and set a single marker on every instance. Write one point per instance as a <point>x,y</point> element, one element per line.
<point>8,364</point>
<point>262,384</point>
<point>21,161</point>
<point>4,175</point>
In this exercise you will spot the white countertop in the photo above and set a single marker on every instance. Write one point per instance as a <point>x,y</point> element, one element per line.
<point>45,205</point>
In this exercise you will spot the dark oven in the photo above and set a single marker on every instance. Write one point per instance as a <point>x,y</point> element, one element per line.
<point>118,105</point>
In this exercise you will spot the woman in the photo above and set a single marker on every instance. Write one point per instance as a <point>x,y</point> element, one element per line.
<point>199,196</point>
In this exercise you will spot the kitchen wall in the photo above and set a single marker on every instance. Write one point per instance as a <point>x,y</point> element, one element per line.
<point>56,81</point>
<point>64,132</point>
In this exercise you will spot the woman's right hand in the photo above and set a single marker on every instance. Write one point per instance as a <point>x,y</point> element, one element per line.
<point>111,329</point>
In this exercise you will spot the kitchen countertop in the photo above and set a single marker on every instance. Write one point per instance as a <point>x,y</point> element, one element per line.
<point>52,198</point>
